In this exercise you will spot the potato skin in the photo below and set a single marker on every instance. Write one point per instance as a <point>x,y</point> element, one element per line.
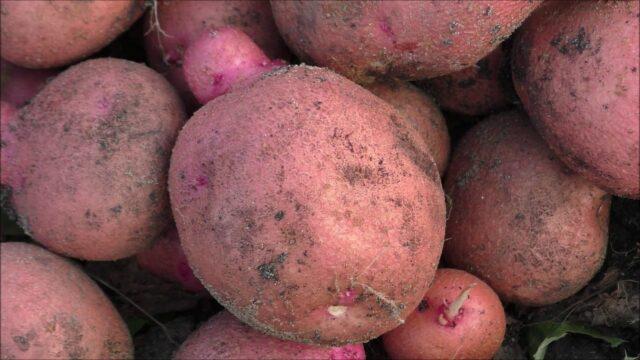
<point>166,260</point>
<point>184,21</point>
<point>422,113</point>
<point>576,68</point>
<point>43,34</point>
<point>52,310</point>
<point>91,158</point>
<point>480,89</point>
<point>19,85</point>
<point>476,332</point>
<point>531,228</point>
<point>411,40</point>
<point>225,337</point>
<point>302,193</point>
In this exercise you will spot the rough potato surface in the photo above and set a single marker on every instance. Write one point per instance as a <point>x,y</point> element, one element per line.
<point>307,208</point>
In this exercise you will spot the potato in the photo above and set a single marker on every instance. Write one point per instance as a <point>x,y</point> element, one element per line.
<point>477,90</point>
<point>166,260</point>
<point>460,317</point>
<point>43,34</point>
<point>411,40</point>
<point>307,207</point>
<point>224,337</point>
<point>52,310</point>
<point>421,112</point>
<point>18,85</point>
<point>531,228</point>
<point>91,159</point>
<point>221,59</point>
<point>183,21</point>
<point>575,67</point>
<point>7,119</point>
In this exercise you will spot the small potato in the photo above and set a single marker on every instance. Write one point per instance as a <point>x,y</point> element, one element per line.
<point>176,24</point>
<point>89,161</point>
<point>307,207</point>
<point>166,260</point>
<point>477,90</point>
<point>460,317</point>
<point>225,337</point>
<point>535,231</point>
<point>50,309</point>
<point>410,40</point>
<point>44,34</point>
<point>421,112</point>
<point>19,85</point>
<point>576,68</point>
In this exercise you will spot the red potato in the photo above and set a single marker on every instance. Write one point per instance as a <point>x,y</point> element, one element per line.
<point>411,40</point>
<point>166,260</point>
<point>86,174</point>
<point>224,337</point>
<point>50,309</point>
<point>8,112</point>
<point>221,59</point>
<point>422,113</point>
<point>44,34</point>
<point>19,85</point>
<point>477,90</point>
<point>184,21</point>
<point>307,207</point>
<point>576,68</point>
<point>460,317</point>
<point>531,228</point>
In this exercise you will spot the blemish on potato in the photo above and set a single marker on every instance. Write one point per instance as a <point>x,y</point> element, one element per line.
<point>279,215</point>
<point>337,310</point>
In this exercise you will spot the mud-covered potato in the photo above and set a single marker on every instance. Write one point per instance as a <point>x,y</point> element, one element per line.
<point>576,68</point>
<point>225,337</point>
<point>88,159</point>
<point>43,34</point>
<point>50,309</point>
<point>421,112</point>
<point>307,207</point>
<point>179,23</point>
<point>534,230</point>
<point>477,90</point>
<point>411,40</point>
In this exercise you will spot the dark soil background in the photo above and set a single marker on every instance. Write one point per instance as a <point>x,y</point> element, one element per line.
<point>161,315</point>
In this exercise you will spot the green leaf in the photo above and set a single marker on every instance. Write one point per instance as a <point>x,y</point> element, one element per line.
<point>540,335</point>
<point>135,324</point>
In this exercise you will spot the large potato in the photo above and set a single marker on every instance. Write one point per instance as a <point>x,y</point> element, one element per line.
<point>307,208</point>
<point>421,112</point>
<point>89,158</point>
<point>531,228</point>
<point>224,337</point>
<point>576,67</point>
<point>411,40</point>
<point>50,309</point>
<point>45,34</point>
<point>176,24</point>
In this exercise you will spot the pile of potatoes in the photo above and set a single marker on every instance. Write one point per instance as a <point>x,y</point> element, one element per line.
<point>311,199</point>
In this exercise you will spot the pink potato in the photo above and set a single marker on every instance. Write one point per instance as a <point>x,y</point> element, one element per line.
<point>166,260</point>
<point>477,90</point>
<point>221,59</point>
<point>422,113</point>
<point>307,207</point>
<point>50,309</point>
<point>460,317</point>
<point>224,337</point>
<point>84,164</point>
<point>44,34</point>
<point>535,231</point>
<point>411,40</point>
<point>183,21</point>
<point>576,68</point>
<point>19,85</point>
